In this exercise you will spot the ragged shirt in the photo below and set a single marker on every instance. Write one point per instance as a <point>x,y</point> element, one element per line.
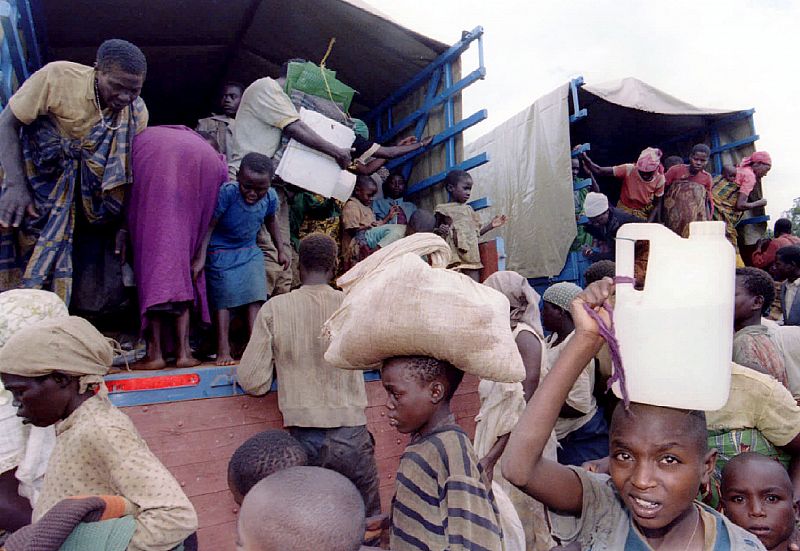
<point>441,501</point>
<point>221,126</point>
<point>99,452</point>
<point>757,347</point>
<point>287,336</point>
<point>65,92</point>
<point>604,523</point>
<point>265,110</point>
<point>581,395</point>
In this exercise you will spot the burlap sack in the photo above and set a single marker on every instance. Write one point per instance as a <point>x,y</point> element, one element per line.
<point>398,305</point>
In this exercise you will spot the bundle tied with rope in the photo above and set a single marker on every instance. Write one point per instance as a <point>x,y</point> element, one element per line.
<point>320,81</point>
<point>396,304</point>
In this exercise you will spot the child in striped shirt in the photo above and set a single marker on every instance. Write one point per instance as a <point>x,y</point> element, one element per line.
<point>441,499</point>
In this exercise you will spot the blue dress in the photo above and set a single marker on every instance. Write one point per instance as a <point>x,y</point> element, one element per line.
<point>235,265</point>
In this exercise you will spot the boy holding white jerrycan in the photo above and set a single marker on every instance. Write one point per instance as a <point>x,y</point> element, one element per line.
<point>659,456</point>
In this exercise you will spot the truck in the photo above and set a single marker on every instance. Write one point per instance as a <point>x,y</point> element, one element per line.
<point>615,121</point>
<point>408,84</point>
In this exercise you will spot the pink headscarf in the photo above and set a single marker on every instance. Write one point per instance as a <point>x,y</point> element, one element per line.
<point>757,157</point>
<point>745,177</point>
<point>650,160</point>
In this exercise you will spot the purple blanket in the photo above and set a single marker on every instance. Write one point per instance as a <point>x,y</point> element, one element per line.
<point>176,179</point>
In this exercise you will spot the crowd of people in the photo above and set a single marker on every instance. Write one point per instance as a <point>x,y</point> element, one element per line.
<point>212,234</point>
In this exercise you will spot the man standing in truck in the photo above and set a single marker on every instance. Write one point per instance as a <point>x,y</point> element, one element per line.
<point>65,141</point>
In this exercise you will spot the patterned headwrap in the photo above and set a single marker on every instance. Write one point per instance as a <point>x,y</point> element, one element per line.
<point>757,157</point>
<point>649,160</point>
<point>20,308</point>
<point>561,294</point>
<point>67,345</point>
<point>523,299</point>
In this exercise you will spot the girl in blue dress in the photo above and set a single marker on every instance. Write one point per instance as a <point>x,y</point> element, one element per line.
<point>234,265</point>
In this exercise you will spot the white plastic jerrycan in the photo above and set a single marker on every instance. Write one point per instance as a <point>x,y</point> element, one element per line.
<point>676,335</point>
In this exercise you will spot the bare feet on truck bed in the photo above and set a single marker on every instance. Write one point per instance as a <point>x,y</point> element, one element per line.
<point>188,361</point>
<point>225,359</point>
<point>148,365</point>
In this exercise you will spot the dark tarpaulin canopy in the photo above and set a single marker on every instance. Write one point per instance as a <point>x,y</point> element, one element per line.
<point>625,116</point>
<point>193,46</point>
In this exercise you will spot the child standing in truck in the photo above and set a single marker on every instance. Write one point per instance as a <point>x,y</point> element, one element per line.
<point>464,224</point>
<point>358,219</point>
<point>233,262</point>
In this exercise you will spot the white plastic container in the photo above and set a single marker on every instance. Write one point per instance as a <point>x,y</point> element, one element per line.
<point>676,334</point>
<point>312,170</point>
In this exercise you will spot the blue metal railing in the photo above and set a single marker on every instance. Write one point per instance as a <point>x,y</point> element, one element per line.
<point>437,74</point>
<point>19,54</point>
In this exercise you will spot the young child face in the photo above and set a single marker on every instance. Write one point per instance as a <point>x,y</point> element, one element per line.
<point>230,100</point>
<point>758,497</point>
<point>395,186</point>
<point>410,401</point>
<point>460,192</point>
<point>656,465</point>
<point>744,302</point>
<point>365,192</point>
<point>698,161</point>
<point>576,168</point>
<point>253,186</point>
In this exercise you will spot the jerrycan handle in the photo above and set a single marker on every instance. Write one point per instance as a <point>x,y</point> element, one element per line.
<point>627,236</point>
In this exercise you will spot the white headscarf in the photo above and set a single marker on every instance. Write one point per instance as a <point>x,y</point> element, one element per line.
<point>67,345</point>
<point>522,297</point>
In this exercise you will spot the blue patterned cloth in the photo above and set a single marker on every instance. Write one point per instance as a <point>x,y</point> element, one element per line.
<point>61,171</point>
<point>235,265</point>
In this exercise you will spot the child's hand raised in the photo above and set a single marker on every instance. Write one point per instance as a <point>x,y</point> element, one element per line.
<point>499,220</point>
<point>594,296</point>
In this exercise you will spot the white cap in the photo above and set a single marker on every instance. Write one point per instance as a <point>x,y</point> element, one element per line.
<point>595,204</point>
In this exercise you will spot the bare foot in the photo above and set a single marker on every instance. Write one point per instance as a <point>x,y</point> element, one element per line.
<point>188,361</point>
<point>225,359</point>
<point>149,365</point>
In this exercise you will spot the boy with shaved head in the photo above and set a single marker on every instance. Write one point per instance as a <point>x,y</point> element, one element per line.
<point>299,509</point>
<point>659,457</point>
<point>758,495</point>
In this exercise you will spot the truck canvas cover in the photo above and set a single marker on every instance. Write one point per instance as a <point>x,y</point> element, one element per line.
<point>529,174</point>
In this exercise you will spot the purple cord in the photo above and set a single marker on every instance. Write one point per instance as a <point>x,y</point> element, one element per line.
<point>607,332</point>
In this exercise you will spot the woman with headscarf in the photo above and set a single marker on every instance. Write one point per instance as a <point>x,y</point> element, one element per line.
<point>24,450</point>
<point>642,183</point>
<point>731,193</point>
<point>54,369</point>
<point>503,403</point>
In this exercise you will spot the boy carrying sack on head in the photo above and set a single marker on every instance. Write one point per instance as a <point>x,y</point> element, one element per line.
<point>442,498</point>
<point>658,459</point>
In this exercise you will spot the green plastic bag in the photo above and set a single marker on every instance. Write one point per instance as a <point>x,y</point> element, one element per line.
<point>307,77</point>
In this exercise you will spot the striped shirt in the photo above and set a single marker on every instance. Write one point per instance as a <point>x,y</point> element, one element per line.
<point>441,501</point>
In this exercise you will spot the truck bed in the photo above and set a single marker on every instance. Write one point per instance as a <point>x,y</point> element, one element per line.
<point>196,438</point>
